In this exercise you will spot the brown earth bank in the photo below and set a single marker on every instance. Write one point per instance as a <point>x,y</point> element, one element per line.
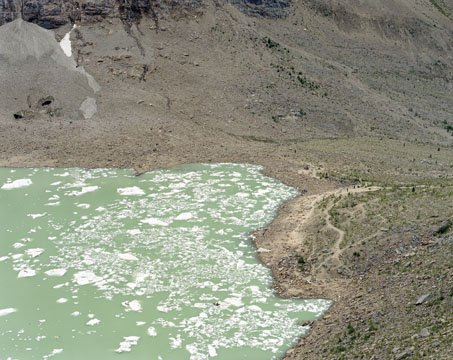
<point>351,104</point>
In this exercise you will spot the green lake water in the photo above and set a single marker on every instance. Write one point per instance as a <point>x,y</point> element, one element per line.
<point>101,264</point>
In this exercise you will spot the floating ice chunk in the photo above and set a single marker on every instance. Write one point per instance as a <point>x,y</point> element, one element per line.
<point>84,206</point>
<point>163,308</point>
<point>86,277</point>
<point>126,345</point>
<point>76,313</point>
<point>3,258</point>
<point>231,301</point>
<point>7,311</point>
<point>134,232</point>
<point>140,323</point>
<point>127,256</point>
<point>212,351</point>
<point>133,305</point>
<point>152,331</point>
<point>55,272</point>
<point>84,190</point>
<point>17,184</point>
<point>176,342</point>
<point>184,216</point>
<point>36,216</point>
<point>52,354</point>
<point>131,191</point>
<point>26,273</point>
<point>62,300</point>
<point>93,322</point>
<point>18,245</point>
<point>34,252</point>
<point>154,221</point>
<point>255,308</point>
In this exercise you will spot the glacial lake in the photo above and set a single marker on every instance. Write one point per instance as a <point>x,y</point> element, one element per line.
<point>101,264</point>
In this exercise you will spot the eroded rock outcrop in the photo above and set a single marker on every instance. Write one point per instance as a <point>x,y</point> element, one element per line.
<point>52,14</point>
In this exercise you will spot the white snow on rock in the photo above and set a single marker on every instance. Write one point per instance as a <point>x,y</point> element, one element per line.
<point>134,190</point>
<point>17,184</point>
<point>65,43</point>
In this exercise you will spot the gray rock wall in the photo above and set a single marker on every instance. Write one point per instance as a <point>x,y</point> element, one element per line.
<point>52,14</point>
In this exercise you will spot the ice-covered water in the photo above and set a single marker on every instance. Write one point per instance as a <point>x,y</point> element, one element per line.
<point>100,264</point>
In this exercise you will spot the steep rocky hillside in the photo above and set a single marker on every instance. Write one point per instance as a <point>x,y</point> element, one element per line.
<point>268,69</point>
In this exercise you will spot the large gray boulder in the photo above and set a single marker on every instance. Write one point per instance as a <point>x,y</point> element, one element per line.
<point>37,77</point>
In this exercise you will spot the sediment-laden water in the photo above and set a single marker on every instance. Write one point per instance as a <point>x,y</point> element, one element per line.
<point>100,264</point>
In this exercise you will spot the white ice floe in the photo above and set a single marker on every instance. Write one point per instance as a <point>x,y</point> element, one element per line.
<point>56,272</point>
<point>127,256</point>
<point>86,277</point>
<point>154,221</point>
<point>133,305</point>
<point>17,184</point>
<point>134,232</point>
<point>84,190</point>
<point>131,191</point>
<point>212,351</point>
<point>62,300</point>
<point>93,322</point>
<point>24,273</point>
<point>3,258</point>
<point>126,345</point>
<point>7,311</point>
<point>36,216</point>
<point>34,252</point>
<point>152,331</point>
<point>53,353</point>
<point>184,216</point>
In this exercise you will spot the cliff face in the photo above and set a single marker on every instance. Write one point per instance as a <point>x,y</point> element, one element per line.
<point>52,14</point>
